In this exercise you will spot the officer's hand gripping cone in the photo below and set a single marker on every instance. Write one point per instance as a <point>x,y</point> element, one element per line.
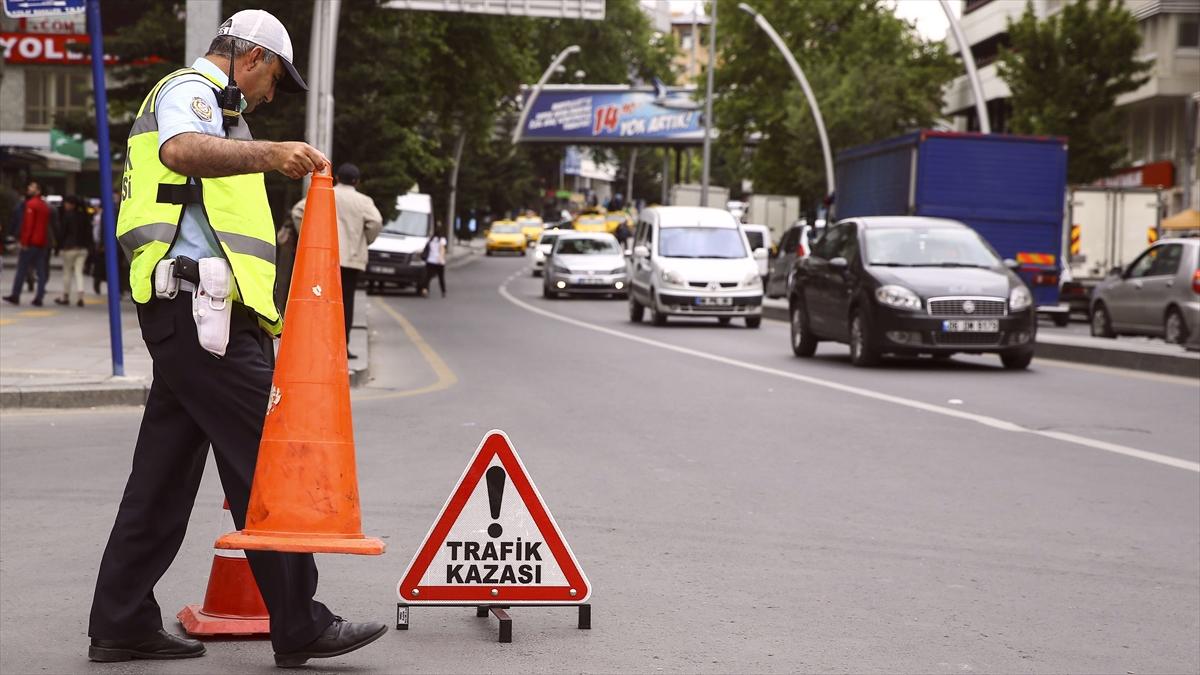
<point>304,498</point>
<point>232,605</point>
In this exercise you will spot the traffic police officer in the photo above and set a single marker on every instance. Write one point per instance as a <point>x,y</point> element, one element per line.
<point>197,228</point>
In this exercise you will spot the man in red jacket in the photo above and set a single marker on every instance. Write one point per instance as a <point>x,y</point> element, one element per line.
<point>35,245</point>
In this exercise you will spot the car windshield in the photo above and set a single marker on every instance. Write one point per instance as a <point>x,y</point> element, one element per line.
<point>927,247</point>
<point>548,239</point>
<point>530,222</point>
<point>581,246</point>
<point>508,228</point>
<point>756,239</point>
<point>701,242</point>
<point>409,223</point>
<point>591,221</point>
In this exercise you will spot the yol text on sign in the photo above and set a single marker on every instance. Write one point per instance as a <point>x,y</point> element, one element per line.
<point>494,541</point>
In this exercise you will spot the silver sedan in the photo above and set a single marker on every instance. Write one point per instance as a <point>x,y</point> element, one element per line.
<point>1159,294</point>
<point>586,263</point>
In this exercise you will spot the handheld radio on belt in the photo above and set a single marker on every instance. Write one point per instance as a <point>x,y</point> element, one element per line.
<point>231,98</point>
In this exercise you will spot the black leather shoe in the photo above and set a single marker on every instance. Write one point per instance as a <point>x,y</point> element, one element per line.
<point>341,637</point>
<point>160,645</point>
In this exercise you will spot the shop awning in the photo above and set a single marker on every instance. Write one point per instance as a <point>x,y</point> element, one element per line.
<point>44,159</point>
<point>1184,220</point>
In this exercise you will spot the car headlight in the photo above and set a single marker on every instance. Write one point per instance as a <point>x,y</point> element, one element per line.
<point>897,296</point>
<point>752,280</point>
<point>617,270</point>
<point>1019,299</point>
<point>673,278</point>
<point>561,270</point>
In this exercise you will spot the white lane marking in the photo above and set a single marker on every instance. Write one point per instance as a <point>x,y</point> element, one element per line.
<point>993,422</point>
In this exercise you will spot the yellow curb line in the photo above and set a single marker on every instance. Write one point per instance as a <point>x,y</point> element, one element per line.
<point>445,377</point>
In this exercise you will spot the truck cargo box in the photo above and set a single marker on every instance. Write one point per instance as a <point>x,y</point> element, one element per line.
<point>1010,189</point>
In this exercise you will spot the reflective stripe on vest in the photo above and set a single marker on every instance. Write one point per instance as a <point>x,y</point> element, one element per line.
<point>236,208</point>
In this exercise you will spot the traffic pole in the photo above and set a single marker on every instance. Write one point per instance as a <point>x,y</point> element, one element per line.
<point>107,224</point>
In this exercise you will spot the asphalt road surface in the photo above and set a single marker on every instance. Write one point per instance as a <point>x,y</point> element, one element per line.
<point>735,508</point>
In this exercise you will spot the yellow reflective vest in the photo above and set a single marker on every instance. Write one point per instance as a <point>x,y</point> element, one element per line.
<point>152,204</point>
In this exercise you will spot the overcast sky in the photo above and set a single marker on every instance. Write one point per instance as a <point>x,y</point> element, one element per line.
<point>928,15</point>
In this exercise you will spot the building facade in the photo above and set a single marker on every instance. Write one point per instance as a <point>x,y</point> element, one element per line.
<point>1161,123</point>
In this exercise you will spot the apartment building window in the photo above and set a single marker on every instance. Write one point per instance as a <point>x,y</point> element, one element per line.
<point>51,93</point>
<point>1189,34</point>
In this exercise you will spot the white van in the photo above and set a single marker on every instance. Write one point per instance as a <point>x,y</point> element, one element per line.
<point>694,261</point>
<point>395,256</point>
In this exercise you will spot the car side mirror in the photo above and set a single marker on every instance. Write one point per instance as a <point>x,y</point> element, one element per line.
<point>1011,264</point>
<point>760,254</point>
<point>640,251</point>
<point>1116,272</point>
<point>839,263</point>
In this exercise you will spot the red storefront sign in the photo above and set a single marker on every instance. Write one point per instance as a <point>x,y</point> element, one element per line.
<point>1157,174</point>
<point>45,48</point>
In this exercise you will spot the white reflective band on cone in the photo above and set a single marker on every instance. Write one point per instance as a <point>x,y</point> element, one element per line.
<point>230,527</point>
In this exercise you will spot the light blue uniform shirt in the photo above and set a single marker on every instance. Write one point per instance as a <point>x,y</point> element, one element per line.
<point>181,109</point>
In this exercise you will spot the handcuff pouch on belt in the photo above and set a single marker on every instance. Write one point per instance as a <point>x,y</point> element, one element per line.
<point>211,281</point>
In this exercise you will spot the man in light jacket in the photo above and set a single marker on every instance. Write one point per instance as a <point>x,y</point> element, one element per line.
<point>359,223</point>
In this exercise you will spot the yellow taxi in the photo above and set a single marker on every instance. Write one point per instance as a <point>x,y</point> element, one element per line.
<point>591,222</point>
<point>613,220</point>
<point>505,235</point>
<point>531,227</point>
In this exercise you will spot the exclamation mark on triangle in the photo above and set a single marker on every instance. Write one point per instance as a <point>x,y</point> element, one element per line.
<point>495,486</point>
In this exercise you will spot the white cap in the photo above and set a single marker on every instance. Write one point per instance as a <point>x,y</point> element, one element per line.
<point>264,30</point>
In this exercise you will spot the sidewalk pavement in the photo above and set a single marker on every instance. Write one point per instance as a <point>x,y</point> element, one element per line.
<point>60,356</point>
<point>1076,345</point>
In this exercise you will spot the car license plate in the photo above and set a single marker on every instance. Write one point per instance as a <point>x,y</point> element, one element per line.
<point>383,269</point>
<point>722,302</point>
<point>976,326</point>
<point>591,281</point>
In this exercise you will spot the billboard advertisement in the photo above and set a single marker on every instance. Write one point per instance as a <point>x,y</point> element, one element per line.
<point>600,115</point>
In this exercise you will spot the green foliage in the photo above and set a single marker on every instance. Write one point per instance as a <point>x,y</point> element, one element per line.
<point>1066,72</point>
<point>406,85</point>
<point>872,75</point>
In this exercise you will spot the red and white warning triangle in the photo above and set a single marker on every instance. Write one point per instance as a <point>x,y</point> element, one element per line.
<point>494,542</point>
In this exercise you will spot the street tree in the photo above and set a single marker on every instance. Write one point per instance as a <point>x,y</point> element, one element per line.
<point>872,74</point>
<point>1066,72</point>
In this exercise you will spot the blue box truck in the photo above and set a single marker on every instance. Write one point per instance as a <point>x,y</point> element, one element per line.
<point>1010,189</point>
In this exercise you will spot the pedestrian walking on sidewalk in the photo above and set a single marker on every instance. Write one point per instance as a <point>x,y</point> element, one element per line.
<point>212,368</point>
<point>359,222</point>
<point>35,245</point>
<point>74,245</point>
<point>435,262</point>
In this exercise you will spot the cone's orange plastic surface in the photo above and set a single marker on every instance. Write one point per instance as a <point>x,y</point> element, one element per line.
<point>305,493</point>
<point>232,605</point>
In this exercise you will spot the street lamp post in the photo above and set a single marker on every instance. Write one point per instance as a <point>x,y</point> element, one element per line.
<point>808,93</point>
<point>537,89</point>
<point>964,49</point>
<point>708,113</point>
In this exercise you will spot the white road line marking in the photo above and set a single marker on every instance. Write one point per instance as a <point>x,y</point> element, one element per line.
<point>993,422</point>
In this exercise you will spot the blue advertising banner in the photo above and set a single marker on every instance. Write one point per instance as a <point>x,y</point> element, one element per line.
<point>601,115</point>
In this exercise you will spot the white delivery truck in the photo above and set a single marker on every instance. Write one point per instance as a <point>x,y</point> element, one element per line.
<point>394,258</point>
<point>777,212</point>
<point>1106,228</point>
<point>688,194</point>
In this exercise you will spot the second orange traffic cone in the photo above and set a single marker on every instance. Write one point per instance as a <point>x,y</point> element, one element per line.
<point>232,605</point>
<point>304,498</point>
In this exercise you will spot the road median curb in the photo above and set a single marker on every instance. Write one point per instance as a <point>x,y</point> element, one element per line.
<point>1183,364</point>
<point>100,394</point>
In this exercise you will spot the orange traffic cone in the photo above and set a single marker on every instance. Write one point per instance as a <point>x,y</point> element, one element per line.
<point>304,498</point>
<point>232,603</point>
